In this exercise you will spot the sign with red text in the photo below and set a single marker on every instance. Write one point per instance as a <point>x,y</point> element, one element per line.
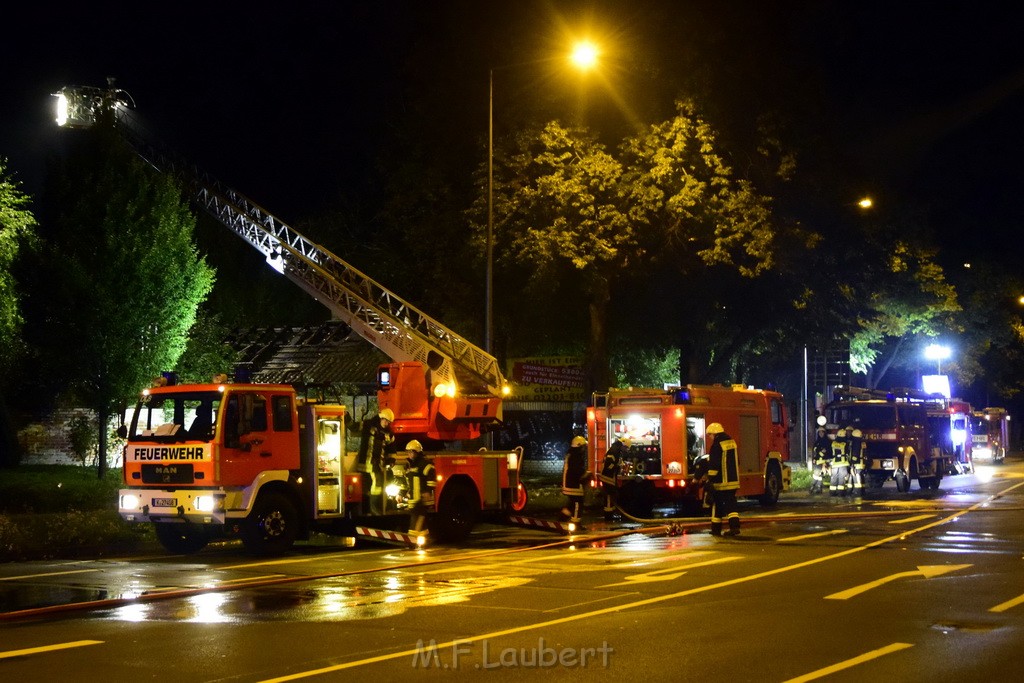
<point>549,378</point>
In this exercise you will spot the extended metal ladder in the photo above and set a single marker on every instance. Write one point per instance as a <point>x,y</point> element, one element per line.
<point>384,319</point>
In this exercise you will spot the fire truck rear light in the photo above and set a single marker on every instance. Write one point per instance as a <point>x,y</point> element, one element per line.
<point>513,461</point>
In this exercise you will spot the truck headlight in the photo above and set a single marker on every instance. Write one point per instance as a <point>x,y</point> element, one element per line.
<point>204,503</point>
<point>130,501</point>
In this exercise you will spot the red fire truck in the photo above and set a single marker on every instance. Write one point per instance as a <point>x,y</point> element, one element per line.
<point>990,434</point>
<point>260,462</point>
<point>900,433</point>
<point>666,429</point>
<point>260,471</point>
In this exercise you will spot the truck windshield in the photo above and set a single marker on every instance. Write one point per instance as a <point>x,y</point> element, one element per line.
<point>865,416</point>
<point>169,418</point>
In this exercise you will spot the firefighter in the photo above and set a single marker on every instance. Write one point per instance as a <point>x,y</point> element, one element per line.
<point>724,477</point>
<point>610,469</point>
<point>420,483</point>
<point>856,446</point>
<point>574,478</point>
<point>374,445</point>
<point>821,452</point>
<point>840,463</point>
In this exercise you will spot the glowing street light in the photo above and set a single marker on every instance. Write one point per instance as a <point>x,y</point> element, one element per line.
<point>866,203</point>
<point>937,353</point>
<point>584,56</point>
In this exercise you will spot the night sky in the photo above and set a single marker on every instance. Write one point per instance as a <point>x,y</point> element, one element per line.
<point>917,104</point>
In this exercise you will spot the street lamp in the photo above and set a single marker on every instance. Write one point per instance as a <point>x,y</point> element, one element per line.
<point>937,353</point>
<point>584,56</point>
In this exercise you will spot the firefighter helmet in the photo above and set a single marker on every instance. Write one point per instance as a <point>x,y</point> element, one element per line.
<point>578,441</point>
<point>387,414</point>
<point>414,445</point>
<point>626,442</point>
<point>715,428</point>
<point>857,434</point>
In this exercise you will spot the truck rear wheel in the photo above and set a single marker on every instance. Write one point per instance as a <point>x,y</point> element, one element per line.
<point>272,526</point>
<point>456,512</point>
<point>183,539</point>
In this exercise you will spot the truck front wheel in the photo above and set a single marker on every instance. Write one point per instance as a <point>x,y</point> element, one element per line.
<point>772,487</point>
<point>181,539</point>
<point>272,526</point>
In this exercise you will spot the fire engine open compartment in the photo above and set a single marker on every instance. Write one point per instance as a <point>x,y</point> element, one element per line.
<point>667,432</point>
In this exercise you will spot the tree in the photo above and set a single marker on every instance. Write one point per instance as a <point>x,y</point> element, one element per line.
<point>565,214</point>
<point>572,210</point>
<point>17,228</point>
<point>905,295</point>
<point>123,278</point>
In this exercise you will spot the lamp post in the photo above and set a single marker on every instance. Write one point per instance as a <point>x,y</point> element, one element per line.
<point>937,353</point>
<point>584,56</point>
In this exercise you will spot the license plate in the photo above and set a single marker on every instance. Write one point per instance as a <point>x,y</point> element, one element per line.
<point>164,502</point>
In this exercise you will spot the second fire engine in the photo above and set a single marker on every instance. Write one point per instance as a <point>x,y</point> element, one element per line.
<point>665,430</point>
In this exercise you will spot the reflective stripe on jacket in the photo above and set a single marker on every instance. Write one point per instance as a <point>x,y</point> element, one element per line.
<point>724,463</point>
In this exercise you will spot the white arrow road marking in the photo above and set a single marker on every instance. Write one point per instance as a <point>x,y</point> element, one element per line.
<point>927,571</point>
<point>667,574</point>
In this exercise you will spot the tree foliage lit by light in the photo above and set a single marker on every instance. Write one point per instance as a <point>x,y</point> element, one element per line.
<point>125,276</point>
<point>567,201</point>
<point>17,226</point>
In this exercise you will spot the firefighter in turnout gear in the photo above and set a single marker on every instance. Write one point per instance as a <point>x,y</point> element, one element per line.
<point>609,471</point>
<point>420,483</point>
<point>840,463</point>
<point>724,477</point>
<point>374,446</point>
<point>574,477</point>
<point>821,453</point>
<point>855,444</point>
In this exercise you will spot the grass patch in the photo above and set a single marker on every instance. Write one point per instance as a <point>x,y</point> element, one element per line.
<point>57,488</point>
<point>800,479</point>
<point>61,511</point>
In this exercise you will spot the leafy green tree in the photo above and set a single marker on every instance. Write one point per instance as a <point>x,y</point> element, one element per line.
<point>123,277</point>
<point>904,296</point>
<point>17,228</point>
<point>572,210</point>
<point>988,364</point>
<point>205,353</point>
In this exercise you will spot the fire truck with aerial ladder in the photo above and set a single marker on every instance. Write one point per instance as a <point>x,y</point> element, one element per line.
<point>265,463</point>
<point>666,429</point>
<point>907,434</point>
